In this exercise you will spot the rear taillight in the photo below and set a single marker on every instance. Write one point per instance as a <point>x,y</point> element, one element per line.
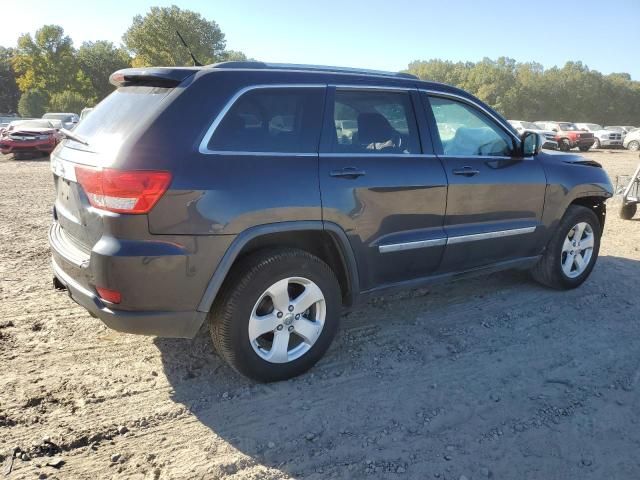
<point>111,296</point>
<point>122,191</point>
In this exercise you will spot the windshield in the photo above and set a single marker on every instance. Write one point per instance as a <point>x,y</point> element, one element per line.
<point>593,126</point>
<point>530,126</point>
<point>120,112</point>
<point>568,127</point>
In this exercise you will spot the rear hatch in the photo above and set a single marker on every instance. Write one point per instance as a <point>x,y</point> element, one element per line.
<point>80,164</point>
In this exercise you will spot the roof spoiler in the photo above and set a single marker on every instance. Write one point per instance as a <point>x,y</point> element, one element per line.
<point>151,77</point>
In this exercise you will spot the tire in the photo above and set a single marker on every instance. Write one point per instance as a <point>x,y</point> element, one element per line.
<point>584,149</point>
<point>628,211</point>
<point>246,300</point>
<point>564,145</point>
<point>633,145</point>
<point>549,270</point>
<point>596,144</point>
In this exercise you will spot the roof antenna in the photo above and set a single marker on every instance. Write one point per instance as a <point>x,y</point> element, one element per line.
<point>196,63</point>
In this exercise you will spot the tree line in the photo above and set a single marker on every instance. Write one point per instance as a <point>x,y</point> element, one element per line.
<point>528,91</point>
<point>45,72</point>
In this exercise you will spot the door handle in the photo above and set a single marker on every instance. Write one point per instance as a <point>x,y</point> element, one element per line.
<point>466,171</point>
<point>347,172</point>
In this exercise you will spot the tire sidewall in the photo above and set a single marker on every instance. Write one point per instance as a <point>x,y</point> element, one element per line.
<point>582,215</point>
<point>247,295</point>
<point>633,145</point>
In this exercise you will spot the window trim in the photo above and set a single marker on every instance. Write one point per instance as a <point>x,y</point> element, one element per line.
<point>454,96</point>
<point>330,110</point>
<point>204,144</point>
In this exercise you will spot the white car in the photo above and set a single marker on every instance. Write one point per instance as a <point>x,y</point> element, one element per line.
<point>624,129</point>
<point>604,137</point>
<point>547,137</point>
<point>632,140</point>
<point>69,120</point>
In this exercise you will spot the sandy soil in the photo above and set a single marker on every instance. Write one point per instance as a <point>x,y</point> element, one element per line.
<point>494,377</point>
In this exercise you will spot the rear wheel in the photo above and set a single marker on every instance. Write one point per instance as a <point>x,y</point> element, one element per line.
<point>634,145</point>
<point>596,144</point>
<point>276,315</point>
<point>628,211</point>
<point>572,251</point>
<point>584,149</point>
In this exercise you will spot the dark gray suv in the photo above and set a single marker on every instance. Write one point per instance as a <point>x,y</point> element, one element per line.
<point>266,198</point>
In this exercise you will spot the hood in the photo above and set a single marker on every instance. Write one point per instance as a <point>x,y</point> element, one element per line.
<point>570,158</point>
<point>32,131</point>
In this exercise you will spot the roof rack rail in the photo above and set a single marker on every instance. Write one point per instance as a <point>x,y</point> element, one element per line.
<point>311,68</point>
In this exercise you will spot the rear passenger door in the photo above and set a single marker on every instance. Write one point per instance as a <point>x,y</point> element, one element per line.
<point>495,197</point>
<point>381,182</point>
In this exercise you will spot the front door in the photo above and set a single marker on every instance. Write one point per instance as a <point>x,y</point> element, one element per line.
<point>378,185</point>
<point>496,197</point>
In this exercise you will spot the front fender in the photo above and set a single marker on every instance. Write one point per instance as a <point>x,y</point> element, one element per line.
<point>569,179</point>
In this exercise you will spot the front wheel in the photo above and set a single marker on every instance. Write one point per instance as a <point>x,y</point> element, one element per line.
<point>584,149</point>
<point>596,144</point>
<point>634,145</point>
<point>276,315</point>
<point>564,145</point>
<point>572,251</point>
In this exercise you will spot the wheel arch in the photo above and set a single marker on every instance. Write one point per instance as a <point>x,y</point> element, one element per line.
<point>595,203</point>
<point>326,240</point>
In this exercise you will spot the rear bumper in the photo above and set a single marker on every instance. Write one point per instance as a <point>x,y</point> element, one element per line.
<point>163,324</point>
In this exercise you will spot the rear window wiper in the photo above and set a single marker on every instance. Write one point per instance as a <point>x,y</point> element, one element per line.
<point>73,136</point>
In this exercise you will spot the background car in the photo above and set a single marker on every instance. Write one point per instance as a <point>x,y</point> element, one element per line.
<point>28,137</point>
<point>547,137</point>
<point>69,120</point>
<point>85,111</point>
<point>632,140</point>
<point>621,128</point>
<point>568,135</point>
<point>604,137</point>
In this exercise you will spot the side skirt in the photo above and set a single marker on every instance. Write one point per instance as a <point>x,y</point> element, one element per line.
<point>517,264</point>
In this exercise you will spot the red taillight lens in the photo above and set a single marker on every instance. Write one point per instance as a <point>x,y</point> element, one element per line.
<point>111,296</point>
<point>135,191</point>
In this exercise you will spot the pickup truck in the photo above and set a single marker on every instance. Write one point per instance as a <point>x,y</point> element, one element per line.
<point>568,135</point>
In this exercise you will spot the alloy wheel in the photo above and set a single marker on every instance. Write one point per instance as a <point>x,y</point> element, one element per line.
<point>287,320</point>
<point>577,250</point>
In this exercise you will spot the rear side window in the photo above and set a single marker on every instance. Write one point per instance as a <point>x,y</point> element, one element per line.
<point>374,122</point>
<point>275,120</point>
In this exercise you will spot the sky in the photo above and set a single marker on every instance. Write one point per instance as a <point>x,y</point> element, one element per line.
<point>376,34</point>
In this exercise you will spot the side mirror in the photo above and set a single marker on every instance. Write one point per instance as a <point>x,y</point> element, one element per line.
<point>530,144</point>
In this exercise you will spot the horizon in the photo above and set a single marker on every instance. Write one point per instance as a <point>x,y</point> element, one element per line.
<point>329,36</point>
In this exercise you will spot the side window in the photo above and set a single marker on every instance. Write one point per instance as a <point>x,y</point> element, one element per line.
<point>275,120</point>
<point>466,131</point>
<point>374,122</point>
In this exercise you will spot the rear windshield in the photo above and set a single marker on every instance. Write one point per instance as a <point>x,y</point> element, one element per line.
<point>119,113</point>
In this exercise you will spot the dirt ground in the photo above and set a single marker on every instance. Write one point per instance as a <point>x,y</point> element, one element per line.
<point>495,377</point>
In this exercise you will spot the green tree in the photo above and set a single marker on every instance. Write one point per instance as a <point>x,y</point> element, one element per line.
<point>97,61</point>
<point>33,103</point>
<point>68,101</point>
<point>526,91</point>
<point>9,92</point>
<point>153,41</point>
<point>45,61</point>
